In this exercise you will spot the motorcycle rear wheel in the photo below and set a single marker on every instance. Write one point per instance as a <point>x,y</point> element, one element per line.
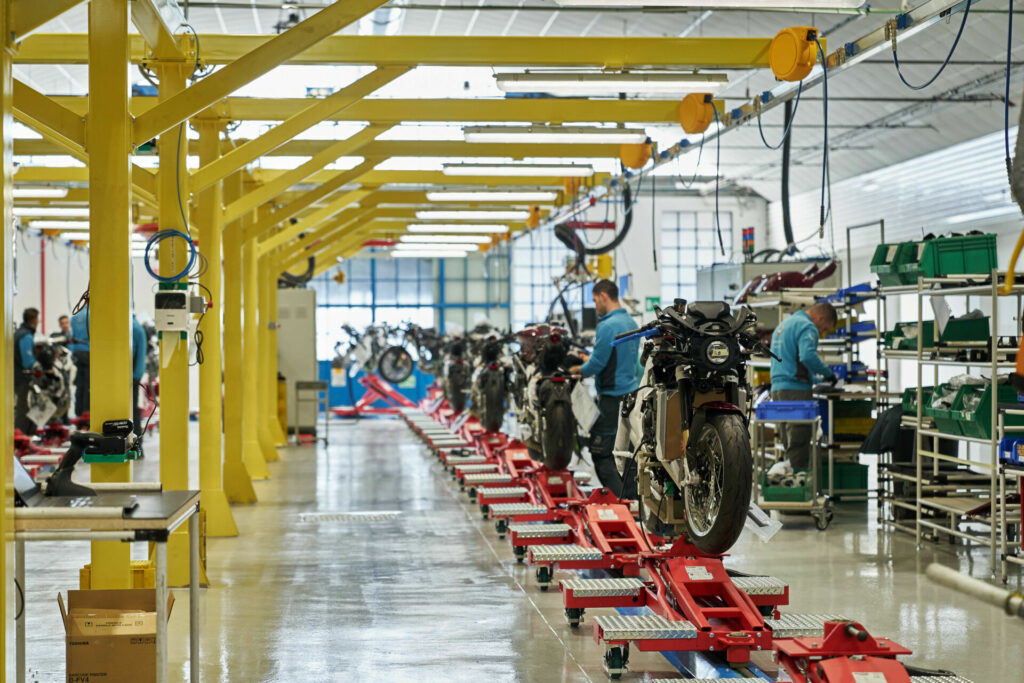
<point>716,506</point>
<point>559,437</point>
<point>395,365</point>
<point>493,404</point>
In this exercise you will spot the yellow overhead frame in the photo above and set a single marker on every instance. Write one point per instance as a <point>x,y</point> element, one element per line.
<point>252,450</point>
<point>27,15</point>
<point>109,127</point>
<point>290,232</point>
<point>593,52</point>
<point>7,325</point>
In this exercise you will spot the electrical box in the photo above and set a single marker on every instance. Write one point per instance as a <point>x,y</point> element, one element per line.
<point>296,351</point>
<point>172,311</point>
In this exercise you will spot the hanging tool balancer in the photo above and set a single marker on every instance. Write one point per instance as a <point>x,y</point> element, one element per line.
<point>117,444</point>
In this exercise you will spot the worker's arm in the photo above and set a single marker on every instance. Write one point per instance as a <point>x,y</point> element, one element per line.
<point>26,345</point>
<point>807,348</point>
<point>138,351</point>
<point>602,352</point>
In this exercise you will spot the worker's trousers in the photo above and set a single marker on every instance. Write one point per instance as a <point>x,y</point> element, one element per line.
<point>602,443</point>
<point>796,438</point>
<point>81,382</point>
<point>21,420</point>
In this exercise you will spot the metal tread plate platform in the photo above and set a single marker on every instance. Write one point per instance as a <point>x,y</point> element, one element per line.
<point>643,627</point>
<point>569,552</point>
<point>504,492</point>
<point>475,468</point>
<point>760,585</point>
<point>801,625</point>
<point>540,530</point>
<point>462,460</point>
<point>603,588</point>
<point>513,509</point>
<point>492,478</point>
<point>939,679</point>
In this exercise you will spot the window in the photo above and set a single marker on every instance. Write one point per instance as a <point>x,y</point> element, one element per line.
<point>688,242</point>
<point>537,259</point>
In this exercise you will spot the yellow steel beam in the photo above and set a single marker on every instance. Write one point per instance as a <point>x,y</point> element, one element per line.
<point>157,24</point>
<point>109,256</point>
<point>237,480</point>
<point>58,123</point>
<point>7,326</point>
<point>266,364</point>
<point>293,126</point>
<point>310,197</point>
<point>28,15</point>
<point>246,67</point>
<point>350,243</point>
<point>595,52</point>
<point>252,450</point>
<point>277,429</point>
<point>282,182</point>
<point>305,247</point>
<point>400,110</point>
<point>320,215</point>
<point>219,519</point>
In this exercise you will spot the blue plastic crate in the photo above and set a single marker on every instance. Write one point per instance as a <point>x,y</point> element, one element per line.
<point>1011,450</point>
<point>789,410</point>
<point>850,295</point>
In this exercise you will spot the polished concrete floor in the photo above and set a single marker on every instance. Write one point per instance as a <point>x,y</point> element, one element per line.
<point>427,592</point>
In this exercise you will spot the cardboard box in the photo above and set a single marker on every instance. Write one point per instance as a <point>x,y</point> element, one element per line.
<point>110,635</point>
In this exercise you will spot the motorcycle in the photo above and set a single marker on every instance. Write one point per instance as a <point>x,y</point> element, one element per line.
<point>456,374</point>
<point>543,394</point>
<point>488,395</point>
<point>685,430</point>
<point>49,392</point>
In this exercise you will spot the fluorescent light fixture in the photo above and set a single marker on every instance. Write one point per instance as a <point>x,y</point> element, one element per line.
<point>982,215</point>
<point>720,4</point>
<point>492,196</point>
<point>51,211</point>
<point>576,83</point>
<point>457,228</point>
<point>445,239</point>
<point>60,225</point>
<point>428,254</point>
<point>75,236</point>
<point>469,215</point>
<point>440,246</point>
<point>554,134</point>
<point>40,192</point>
<point>518,170</point>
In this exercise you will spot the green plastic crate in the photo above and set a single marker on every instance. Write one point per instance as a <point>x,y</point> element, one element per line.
<point>967,255</point>
<point>889,261</point>
<point>910,399</point>
<point>978,422</point>
<point>946,420</point>
<point>896,339</point>
<point>972,330</point>
<point>787,494</point>
<point>858,408</point>
<point>847,476</point>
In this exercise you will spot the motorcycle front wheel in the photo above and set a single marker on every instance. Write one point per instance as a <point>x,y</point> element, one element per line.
<point>395,365</point>
<point>716,506</point>
<point>493,408</point>
<point>559,437</point>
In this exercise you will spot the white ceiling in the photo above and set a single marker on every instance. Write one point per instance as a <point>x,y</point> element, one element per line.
<point>867,94</point>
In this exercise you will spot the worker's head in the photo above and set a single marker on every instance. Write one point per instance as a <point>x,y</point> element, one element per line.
<point>823,316</point>
<point>64,323</point>
<point>606,297</point>
<point>30,318</point>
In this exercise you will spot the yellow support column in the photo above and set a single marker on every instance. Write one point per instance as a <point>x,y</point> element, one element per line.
<point>252,448</point>
<point>7,318</point>
<point>172,197</point>
<point>109,132</point>
<point>237,482</point>
<point>266,386</point>
<point>219,519</point>
<point>276,429</point>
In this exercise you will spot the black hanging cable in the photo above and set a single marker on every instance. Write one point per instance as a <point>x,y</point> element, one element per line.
<point>1006,94</point>
<point>654,213</point>
<point>790,112</point>
<point>718,175</point>
<point>787,222</point>
<point>894,26</point>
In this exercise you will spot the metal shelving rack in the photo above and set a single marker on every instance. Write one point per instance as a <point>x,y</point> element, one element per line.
<point>971,509</point>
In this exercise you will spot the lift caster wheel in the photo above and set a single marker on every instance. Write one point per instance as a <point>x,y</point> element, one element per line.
<point>574,615</point>
<point>472,494</point>
<point>823,519</point>
<point>543,577</point>
<point>615,659</point>
<point>483,511</point>
<point>767,611</point>
<point>520,552</point>
<point>501,526</point>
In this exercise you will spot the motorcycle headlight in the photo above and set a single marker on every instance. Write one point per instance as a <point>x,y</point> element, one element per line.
<point>717,353</point>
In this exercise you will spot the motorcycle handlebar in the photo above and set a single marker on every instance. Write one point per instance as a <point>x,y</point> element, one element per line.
<point>642,333</point>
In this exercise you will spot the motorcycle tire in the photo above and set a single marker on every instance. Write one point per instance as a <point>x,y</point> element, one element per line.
<point>456,395</point>
<point>559,437</point>
<point>395,364</point>
<point>721,453</point>
<point>493,408</point>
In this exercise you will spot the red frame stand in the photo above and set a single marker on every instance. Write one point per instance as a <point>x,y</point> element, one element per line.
<point>376,390</point>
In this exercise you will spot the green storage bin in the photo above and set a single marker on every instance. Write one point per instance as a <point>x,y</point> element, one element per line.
<point>896,339</point>
<point>910,399</point>
<point>970,331</point>
<point>858,408</point>
<point>890,260</point>
<point>780,494</point>
<point>847,476</point>
<point>947,420</point>
<point>967,255</point>
<point>977,421</point>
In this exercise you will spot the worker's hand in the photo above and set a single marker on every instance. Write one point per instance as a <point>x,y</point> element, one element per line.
<point>584,356</point>
<point>575,370</point>
<point>832,379</point>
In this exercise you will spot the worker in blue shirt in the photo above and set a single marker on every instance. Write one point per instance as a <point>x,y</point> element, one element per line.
<point>79,349</point>
<point>24,360</point>
<point>616,371</point>
<point>140,347</point>
<point>795,342</point>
